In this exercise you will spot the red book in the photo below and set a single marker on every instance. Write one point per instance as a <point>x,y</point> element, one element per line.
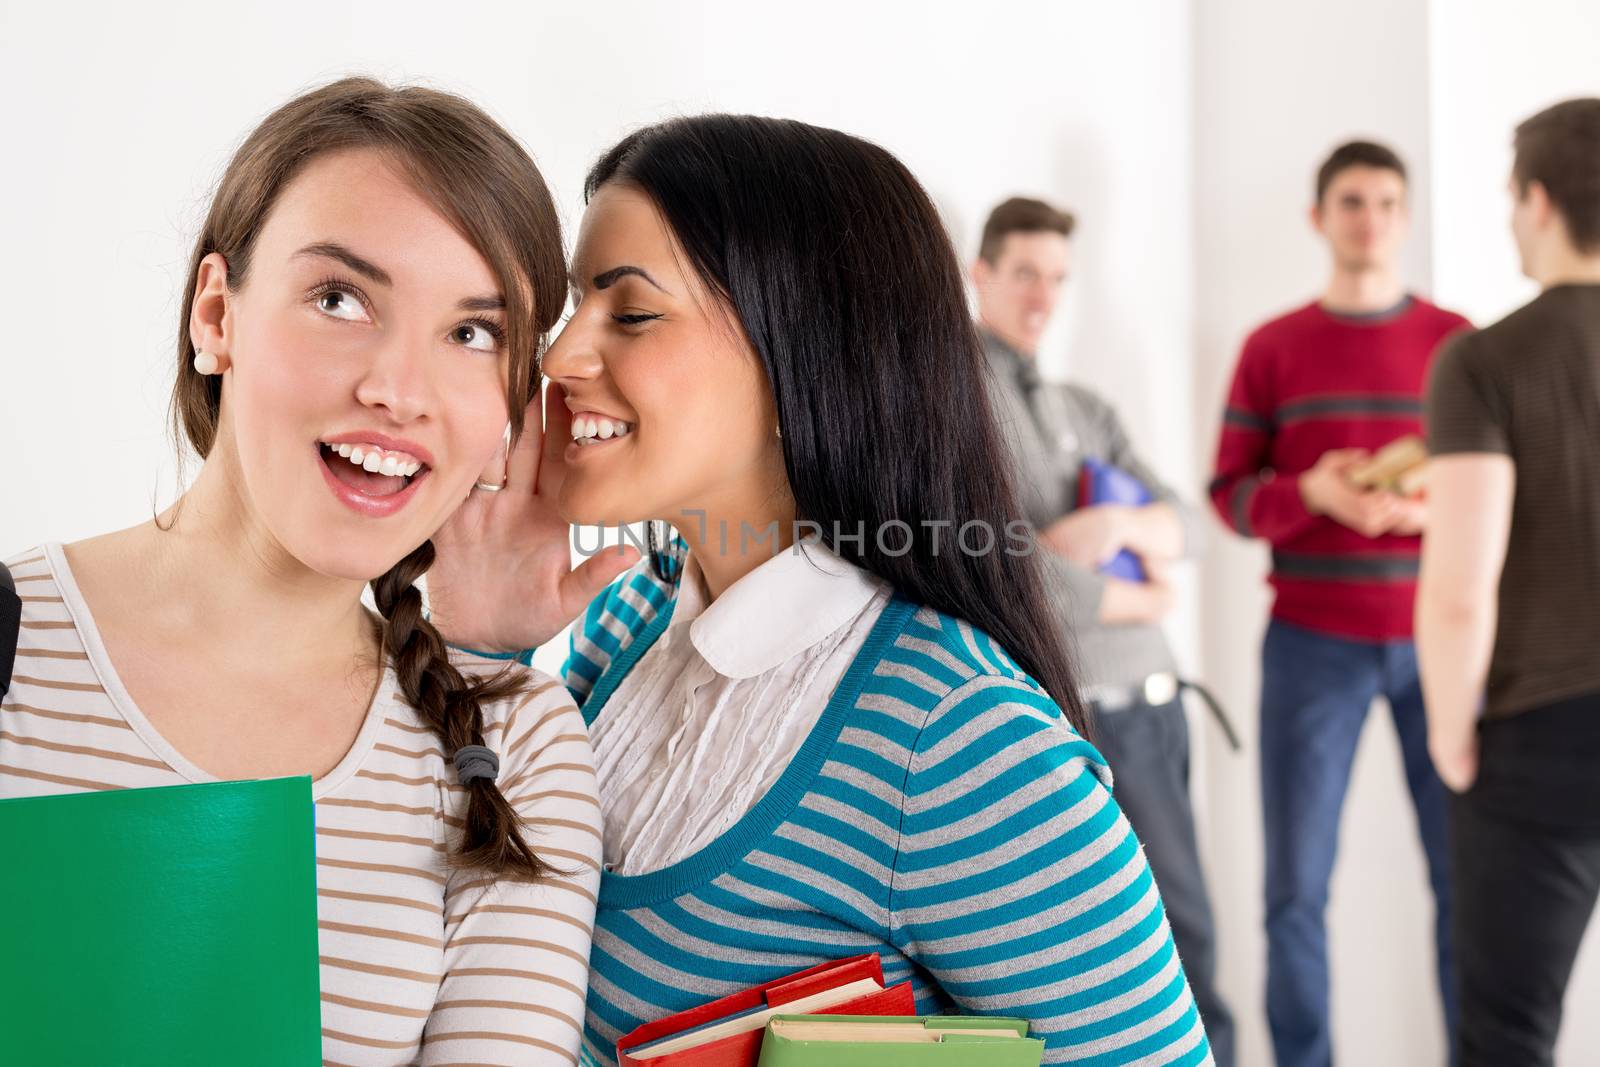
<point>728,1032</point>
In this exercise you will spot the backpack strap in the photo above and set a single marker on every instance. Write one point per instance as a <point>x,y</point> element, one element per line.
<point>10,623</point>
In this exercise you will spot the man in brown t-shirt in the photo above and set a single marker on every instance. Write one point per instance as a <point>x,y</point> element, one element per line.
<point>1508,606</point>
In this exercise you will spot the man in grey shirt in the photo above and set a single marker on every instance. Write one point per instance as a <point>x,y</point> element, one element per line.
<point>1128,671</point>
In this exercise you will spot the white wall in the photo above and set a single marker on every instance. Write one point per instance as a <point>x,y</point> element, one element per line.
<point>1538,54</point>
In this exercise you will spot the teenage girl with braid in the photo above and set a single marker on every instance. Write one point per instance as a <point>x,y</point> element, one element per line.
<point>364,305</point>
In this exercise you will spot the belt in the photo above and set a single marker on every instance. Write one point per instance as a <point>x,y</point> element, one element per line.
<point>1156,691</point>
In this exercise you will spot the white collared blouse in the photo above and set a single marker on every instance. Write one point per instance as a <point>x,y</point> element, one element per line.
<point>710,716</point>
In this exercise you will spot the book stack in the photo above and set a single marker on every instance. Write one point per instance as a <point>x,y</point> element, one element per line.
<point>846,1041</point>
<point>838,1014</point>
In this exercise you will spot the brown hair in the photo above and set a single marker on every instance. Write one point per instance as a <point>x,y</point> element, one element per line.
<point>1560,149</point>
<point>1021,215</point>
<point>477,175</point>
<point>1357,154</point>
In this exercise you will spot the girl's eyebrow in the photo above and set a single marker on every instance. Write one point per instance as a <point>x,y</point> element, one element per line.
<point>606,279</point>
<point>335,250</point>
<point>370,270</point>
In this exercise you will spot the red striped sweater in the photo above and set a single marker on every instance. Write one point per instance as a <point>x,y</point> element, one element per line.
<point>1306,383</point>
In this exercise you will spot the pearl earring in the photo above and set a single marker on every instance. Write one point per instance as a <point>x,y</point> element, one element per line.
<point>206,363</point>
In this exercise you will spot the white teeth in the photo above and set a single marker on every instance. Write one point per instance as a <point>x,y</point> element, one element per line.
<point>592,429</point>
<point>373,459</point>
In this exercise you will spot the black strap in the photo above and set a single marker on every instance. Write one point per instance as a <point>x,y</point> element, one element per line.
<point>10,623</point>
<point>1215,707</point>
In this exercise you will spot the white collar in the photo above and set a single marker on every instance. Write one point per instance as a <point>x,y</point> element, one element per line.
<point>780,609</point>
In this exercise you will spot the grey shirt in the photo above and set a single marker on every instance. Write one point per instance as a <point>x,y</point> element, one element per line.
<point>1051,429</point>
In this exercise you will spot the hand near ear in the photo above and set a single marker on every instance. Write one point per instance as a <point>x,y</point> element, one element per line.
<point>504,580</point>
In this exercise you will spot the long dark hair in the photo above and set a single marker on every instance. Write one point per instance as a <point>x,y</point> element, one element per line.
<point>837,265</point>
<point>476,173</point>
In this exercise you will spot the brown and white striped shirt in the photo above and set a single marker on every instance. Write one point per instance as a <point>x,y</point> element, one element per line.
<point>420,964</point>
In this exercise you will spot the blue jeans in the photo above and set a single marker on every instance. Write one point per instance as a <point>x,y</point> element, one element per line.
<point>1315,692</point>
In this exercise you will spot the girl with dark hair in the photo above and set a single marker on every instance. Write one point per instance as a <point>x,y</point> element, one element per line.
<point>372,282</point>
<point>832,715</point>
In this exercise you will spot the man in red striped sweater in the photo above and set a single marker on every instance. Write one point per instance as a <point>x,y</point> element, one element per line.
<point>1316,392</point>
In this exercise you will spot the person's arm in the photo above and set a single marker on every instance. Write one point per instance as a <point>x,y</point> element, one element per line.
<point>1162,531</point>
<point>1021,889</point>
<point>1128,603</point>
<point>1167,529</point>
<point>1083,539</point>
<point>516,955</point>
<point>502,580</point>
<point>1471,492</point>
<point>1087,597</point>
<point>1469,499</point>
<point>1246,492</point>
<point>1091,536</point>
<point>1326,489</point>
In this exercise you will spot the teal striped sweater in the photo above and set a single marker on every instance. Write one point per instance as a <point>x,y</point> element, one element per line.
<point>943,814</point>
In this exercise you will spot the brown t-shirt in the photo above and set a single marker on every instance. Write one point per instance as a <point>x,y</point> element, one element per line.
<point>1528,387</point>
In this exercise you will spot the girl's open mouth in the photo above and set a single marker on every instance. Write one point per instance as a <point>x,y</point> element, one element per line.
<point>370,479</point>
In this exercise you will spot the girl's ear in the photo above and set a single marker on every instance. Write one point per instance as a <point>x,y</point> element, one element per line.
<point>210,325</point>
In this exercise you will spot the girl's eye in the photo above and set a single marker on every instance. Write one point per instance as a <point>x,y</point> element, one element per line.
<point>341,304</point>
<point>478,336</point>
<point>633,320</point>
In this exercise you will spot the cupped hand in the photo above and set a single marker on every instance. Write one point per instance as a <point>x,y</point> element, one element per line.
<point>503,579</point>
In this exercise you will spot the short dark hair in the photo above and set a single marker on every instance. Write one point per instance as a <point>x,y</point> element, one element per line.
<point>1560,149</point>
<point>1357,154</point>
<point>1022,214</point>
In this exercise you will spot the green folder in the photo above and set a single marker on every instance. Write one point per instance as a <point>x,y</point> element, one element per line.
<point>979,1041</point>
<point>169,926</point>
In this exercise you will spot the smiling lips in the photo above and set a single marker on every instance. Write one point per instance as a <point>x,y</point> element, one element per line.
<point>368,477</point>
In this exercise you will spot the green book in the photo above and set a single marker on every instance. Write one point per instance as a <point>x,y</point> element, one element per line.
<point>169,926</point>
<point>897,1041</point>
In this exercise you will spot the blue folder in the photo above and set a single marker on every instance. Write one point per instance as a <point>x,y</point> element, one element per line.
<point>1106,483</point>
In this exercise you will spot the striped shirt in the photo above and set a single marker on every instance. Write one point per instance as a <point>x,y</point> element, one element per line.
<point>942,814</point>
<point>1307,383</point>
<point>419,963</point>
